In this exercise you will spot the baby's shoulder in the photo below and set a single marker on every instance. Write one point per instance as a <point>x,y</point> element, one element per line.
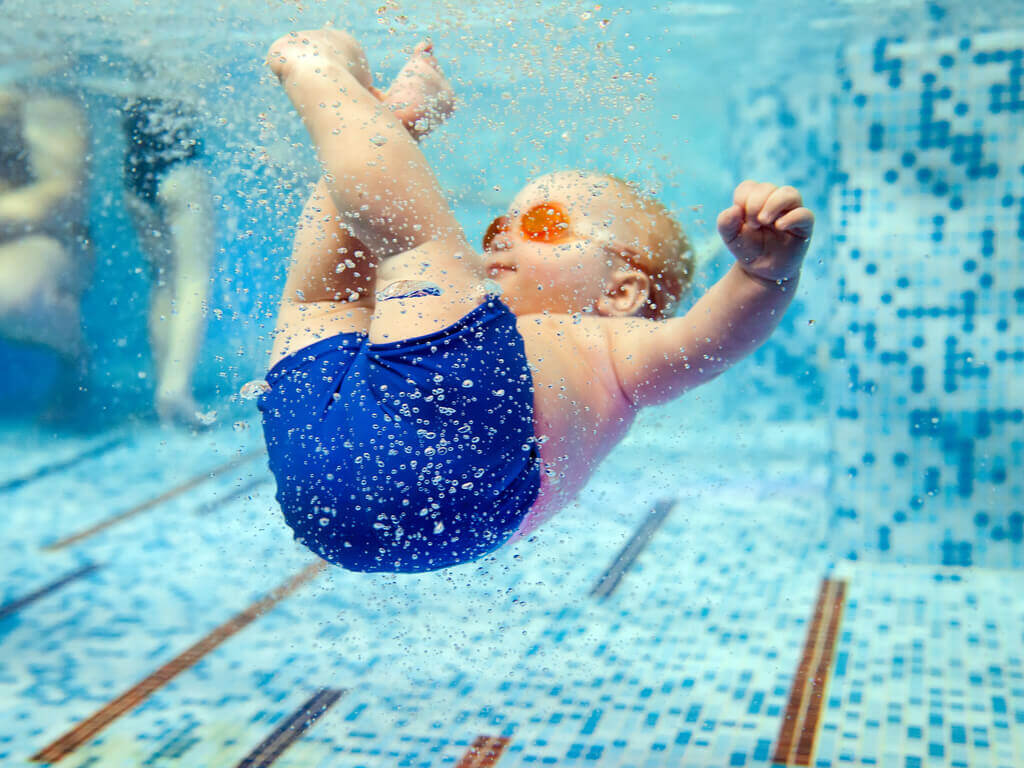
<point>570,357</point>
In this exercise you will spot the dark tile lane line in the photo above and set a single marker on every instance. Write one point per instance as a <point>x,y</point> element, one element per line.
<point>16,605</point>
<point>627,556</point>
<point>485,752</point>
<point>289,731</point>
<point>799,729</point>
<point>188,485</point>
<point>88,728</point>
<point>48,469</point>
<point>214,504</point>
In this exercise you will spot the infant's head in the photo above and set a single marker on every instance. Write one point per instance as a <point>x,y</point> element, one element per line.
<point>575,241</point>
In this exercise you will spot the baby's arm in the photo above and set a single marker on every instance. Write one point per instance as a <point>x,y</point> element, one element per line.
<point>768,230</point>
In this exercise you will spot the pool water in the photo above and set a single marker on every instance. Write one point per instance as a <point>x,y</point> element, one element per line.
<point>813,560</point>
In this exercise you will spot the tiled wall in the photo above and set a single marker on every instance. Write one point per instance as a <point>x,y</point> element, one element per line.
<point>926,332</point>
<point>788,139</point>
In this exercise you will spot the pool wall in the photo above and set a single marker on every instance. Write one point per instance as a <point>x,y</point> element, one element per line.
<point>926,345</point>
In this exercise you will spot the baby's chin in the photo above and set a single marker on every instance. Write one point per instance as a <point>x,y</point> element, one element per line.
<point>511,295</point>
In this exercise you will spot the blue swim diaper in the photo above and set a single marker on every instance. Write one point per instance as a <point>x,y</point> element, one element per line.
<point>406,456</point>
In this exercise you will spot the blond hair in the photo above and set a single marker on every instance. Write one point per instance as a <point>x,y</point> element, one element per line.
<point>662,252</point>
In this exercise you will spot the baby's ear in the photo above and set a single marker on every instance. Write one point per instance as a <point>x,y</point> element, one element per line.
<point>626,293</point>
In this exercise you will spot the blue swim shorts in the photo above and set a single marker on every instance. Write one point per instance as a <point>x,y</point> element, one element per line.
<point>406,456</point>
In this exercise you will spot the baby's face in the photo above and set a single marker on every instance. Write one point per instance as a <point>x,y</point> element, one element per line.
<point>555,248</point>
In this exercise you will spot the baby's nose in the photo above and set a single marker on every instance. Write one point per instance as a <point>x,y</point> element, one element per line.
<point>501,243</point>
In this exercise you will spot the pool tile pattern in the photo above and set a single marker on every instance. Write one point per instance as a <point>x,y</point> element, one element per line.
<point>927,347</point>
<point>787,138</point>
<point>512,661</point>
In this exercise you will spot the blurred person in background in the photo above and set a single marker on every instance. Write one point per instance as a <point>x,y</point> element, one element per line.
<point>167,194</point>
<point>45,250</point>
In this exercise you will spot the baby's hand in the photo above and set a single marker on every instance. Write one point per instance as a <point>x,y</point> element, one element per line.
<point>767,229</point>
<point>421,96</point>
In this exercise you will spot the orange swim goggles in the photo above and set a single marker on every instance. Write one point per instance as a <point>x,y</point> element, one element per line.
<point>545,222</point>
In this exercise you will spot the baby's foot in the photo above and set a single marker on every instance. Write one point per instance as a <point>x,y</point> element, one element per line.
<point>421,96</point>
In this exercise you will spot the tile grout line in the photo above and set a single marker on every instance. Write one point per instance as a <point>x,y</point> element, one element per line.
<point>803,709</point>
<point>212,506</point>
<point>794,706</point>
<point>138,508</point>
<point>799,752</point>
<point>805,747</point>
<point>16,605</point>
<point>485,752</point>
<point>292,728</point>
<point>48,469</point>
<point>138,693</point>
<point>628,554</point>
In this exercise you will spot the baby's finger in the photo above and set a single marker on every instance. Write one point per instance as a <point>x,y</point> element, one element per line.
<point>730,222</point>
<point>779,202</point>
<point>756,200</point>
<point>742,192</point>
<point>799,222</point>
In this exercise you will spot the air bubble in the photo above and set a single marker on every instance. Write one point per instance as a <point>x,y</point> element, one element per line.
<point>253,389</point>
<point>378,140</point>
<point>206,419</point>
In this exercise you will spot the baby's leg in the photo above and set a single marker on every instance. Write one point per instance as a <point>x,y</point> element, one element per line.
<point>329,289</point>
<point>376,173</point>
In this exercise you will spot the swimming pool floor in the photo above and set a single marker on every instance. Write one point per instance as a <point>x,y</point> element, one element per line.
<point>154,611</point>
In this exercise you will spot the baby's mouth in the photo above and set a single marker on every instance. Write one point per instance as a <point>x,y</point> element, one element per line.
<point>493,270</point>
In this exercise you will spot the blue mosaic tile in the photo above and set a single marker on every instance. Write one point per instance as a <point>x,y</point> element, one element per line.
<point>925,336</point>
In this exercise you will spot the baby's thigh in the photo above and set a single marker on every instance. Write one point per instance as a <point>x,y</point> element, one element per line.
<point>425,289</point>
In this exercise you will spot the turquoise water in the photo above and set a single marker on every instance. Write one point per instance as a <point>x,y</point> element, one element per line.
<point>662,620</point>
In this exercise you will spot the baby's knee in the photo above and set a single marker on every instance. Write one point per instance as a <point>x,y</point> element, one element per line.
<point>323,44</point>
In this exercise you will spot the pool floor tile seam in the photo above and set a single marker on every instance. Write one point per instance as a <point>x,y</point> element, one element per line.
<point>45,470</point>
<point>137,509</point>
<point>9,608</point>
<point>292,729</point>
<point>91,726</point>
